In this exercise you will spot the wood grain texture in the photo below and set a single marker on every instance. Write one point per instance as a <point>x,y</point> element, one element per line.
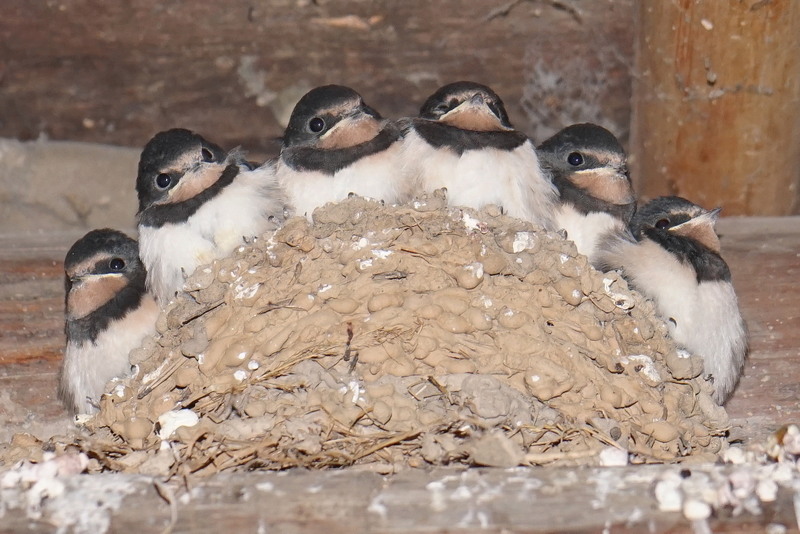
<point>413,501</point>
<point>117,72</point>
<point>716,103</point>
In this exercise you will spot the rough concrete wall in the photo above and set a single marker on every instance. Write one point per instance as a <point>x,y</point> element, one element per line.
<point>53,186</point>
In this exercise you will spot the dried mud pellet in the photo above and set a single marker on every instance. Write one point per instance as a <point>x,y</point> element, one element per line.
<point>512,319</point>
<point>615,396</point>
<point>424,346</point>
<point>216,322</point>
<point>208,360</point>
<point>401,366</point>
<point>493,263</point>
<point>223,382</point>
<point>186,375</point>
<point>683,365</point>
<point>455,324</point>
<point>162,404</point>
<point>257,323</point>
<point>202,278</point>
<point>592,331</point>
<point>452,299</point>
<point>458,365</point>
<point>384,300</point>
<point>436,357</point>
<point>381,412</point>
<point>661,431</point>
<point>470,276</point>
<point>430,311</point>
<point>570,290</point>
<point>136,428</point>
<point>277,341</point>
<point>256,408</point>
<point>237,354</point>
<point>307,243</point>
<point>162,323</point>
<point>651,406</point>
<point>343,305</point>
<point>569,267</point>
<point>373,354</point>
<point>479,319</point>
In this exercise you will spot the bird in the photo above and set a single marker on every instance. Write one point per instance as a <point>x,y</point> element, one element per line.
<point>589,169</point>
<point>197,203</point>
<point>336,145</point>
<point>108,314</point>
<point>672,255</point>
<point>462,140</point>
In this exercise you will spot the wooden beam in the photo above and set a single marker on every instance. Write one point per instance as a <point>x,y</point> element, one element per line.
<point>416,501</point>
<point>716,106</point>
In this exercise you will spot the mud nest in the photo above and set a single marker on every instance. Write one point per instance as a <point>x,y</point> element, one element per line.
<point>409,335</point>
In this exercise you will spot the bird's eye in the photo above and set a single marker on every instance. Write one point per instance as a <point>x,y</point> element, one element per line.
<point>575,159</point>
<point>207,155</point>
<point>662,224</point>
<point>117,264</point>
<point>163,180</point>
<point>316,125</point>
<point>441,108</point>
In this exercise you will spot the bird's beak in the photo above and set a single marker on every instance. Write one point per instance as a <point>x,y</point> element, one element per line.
<point>609,183</point>
<point>701,228</point>
<point>359,125</point>
<point>474,114</point>
<point>201,176</point>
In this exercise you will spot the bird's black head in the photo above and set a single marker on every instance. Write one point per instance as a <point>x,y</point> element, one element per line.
<point>103,252</point>
<point>331,116</point>
<point>167,158</point>
<point>583,146</point>
<point>468,105</point>
<point>589,168</point>
<point>103,261</point>
<point>679,217</point>
<point>663,214</point>
<point>685,230</point>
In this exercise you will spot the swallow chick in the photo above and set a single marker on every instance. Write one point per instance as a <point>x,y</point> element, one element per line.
<point>334,145</point>
<point>197,203</point>
<point>673,257</point>
<point>108,314</point>
<point>589,169</point>
<point>463,141</point>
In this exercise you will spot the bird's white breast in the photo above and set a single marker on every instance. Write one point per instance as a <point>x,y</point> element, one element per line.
<point>88,366</point>
<point>586,230</point>
<point>239,211</point>
<point>512,179</point>
<point>376,176</point>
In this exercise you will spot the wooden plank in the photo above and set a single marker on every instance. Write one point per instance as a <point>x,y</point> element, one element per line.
<point>764,256</point>
<point>414,501</point>
<point>716,105</point>
<point>117,72</point>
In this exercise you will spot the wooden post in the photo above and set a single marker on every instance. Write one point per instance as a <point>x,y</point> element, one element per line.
<point>716,103</point>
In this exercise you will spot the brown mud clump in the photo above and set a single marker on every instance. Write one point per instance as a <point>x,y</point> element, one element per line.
<point>410,335</point>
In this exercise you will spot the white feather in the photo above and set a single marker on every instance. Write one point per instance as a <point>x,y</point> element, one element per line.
<point>376,176</point>
<point>88,367</point>
<point>242,210</point>
<point>512,179</point>
<point>707,321</point>
<point>586,230</point>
